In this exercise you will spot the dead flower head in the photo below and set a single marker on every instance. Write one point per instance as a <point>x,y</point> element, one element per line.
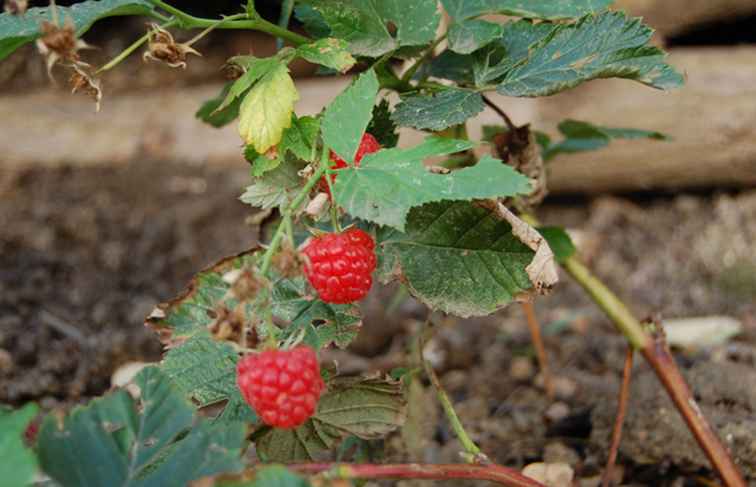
<point>59,43</point>
<point>15,7</point>
<point>84,82</point>
<point>163,48</point>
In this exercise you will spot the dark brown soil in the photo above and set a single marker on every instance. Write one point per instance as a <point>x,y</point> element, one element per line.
<point>86,253</point>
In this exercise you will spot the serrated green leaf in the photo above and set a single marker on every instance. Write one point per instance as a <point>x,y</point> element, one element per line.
<point>364,23</point>
<point>368,408</point>
<point>382,127</point>
<point>313,21</point>
<point>254,69</point>
<point>601,46</point>
<point>331,53</point>
<point>155,441</point>
<point>348,115</point>
<point>274,188</point>
<point>267,108</point>
<point>456,257</point>
<point>17,30</point>
<point>583,136</point>
<point>470,35</point>
<point>19,462</point>
<point>211,114</point>
<point>260,163</point>
<point>539,9</point>
<point>390,182</point>
<point>559,242</point>
<point>301,138</point>
<point>440,111</point>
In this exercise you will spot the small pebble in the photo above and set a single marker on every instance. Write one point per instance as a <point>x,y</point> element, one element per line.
<point>557,411</point>
<point>550,474</point>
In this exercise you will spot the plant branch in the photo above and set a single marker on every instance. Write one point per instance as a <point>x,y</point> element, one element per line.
<point>494,473</point>
<point>510,125</point>
<point>407,76</point>
<point>283,21</point>
<point>133,47</point>
<point>624,395</point>
<point>658,356</point>
<point>473,452</point>
<point>535,335</point>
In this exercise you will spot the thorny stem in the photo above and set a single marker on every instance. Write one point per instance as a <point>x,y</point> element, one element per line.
<point>474,455</point>
<point>133,47</point>
<point>535,335</point>
<point>657,354</point>
<point>624,395</point>
<point>493,473</point>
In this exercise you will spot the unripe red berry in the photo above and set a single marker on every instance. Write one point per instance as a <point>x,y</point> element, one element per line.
<point>340,265</point>
<point>368,145</point>
<point>282,386</point>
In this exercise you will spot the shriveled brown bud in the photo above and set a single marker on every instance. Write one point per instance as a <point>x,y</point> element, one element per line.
<point>162,47</point>
<point>59,43</point>
<point>82,81</point>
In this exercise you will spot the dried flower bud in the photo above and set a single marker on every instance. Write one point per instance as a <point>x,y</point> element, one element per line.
<point>15,7</point>
<point>82,81</point>
<point>163,48</point>
<point>59,43</point>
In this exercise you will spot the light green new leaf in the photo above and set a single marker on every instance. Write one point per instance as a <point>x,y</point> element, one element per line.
<point>456,257</point>
<point>331,53</point>
<point>437,112</point>
<point>368,408</point>
<point>19,463</point>
<point>364,23</point>
<point>347,116</point>
<point>583,136</point>
<point>390,182</point>
<point>155,441</point>
<point>254,69</point>
<point>17,30</point>
<point>267,108</point>
<point>533,9</point>
<point>467,36</point>
<point>608,45</point>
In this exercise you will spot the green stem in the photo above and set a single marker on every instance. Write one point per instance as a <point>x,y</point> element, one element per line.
<point>428,53</point>
<point>286,215</point>
<point>287,6</point>
<point>334,210</point>
<point>133,47</point>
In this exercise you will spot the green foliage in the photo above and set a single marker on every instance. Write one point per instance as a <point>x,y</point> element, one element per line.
<point>364,23</point>
<point>275,187</point>
<point>272,476</point>
<point>19,463</point>
<point>364,407</point>
<point>254,69</point>
<point>547,10</point>
<point>583,136</point>
<point>456,257</point>
<point>387,184</point>
<point>470,35</point>
<point>17,30</point>
<point>211,113</point>
<point>348,115</point>
<point>331,53</point>
<point>559,242</point>
<point>153,441</point>
<point>440,111</point>
<point>382,127</point>
<point>301,138</point>
<point>600,46</point>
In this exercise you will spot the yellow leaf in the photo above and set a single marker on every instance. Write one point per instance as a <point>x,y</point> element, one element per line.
<point>266,110</point>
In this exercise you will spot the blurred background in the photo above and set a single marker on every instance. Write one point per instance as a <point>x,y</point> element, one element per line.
<point>103,215</point>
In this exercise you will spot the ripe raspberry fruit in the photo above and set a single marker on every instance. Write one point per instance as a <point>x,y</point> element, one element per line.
<point>368,145</point>
<point>339,265</point>
<point>282,386</point>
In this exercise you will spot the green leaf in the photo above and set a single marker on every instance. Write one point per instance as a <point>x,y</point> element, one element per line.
<point>267,108</point>
<point>313,21</point>
<point>456,257</point>
<point>17,30</point>
<point>211,113</point>
<point>583,136</point>
<point>470,35</point>
<point>382,127</point>
<point>153,441</point>
<point>331,53</point>
<point>275,187</point>
<point>364,23</point>
<point>559,242</point>
<point>254,69</point>
<point>301,138</point>
<point>347,116</point>
<point>390,182</point>
<point>19,462</point>
<point>368,408</point>
<point>540,9</point>
<point>602,46</point>
<point>440,111</point>
<point>260,163</point>
<point>270,476</point>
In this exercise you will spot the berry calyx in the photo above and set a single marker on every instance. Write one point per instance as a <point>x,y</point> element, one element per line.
<point>368,145</point>
<point>340,265</point>
<point>282,386</point>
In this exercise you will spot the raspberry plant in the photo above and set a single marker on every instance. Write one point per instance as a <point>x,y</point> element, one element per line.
<point>449,218</point>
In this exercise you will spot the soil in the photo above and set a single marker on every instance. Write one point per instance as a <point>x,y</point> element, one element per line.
<point>86,253</point>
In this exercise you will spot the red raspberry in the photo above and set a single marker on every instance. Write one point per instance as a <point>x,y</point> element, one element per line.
<point>339,265</point>
<point>282,386</point>
<point>368,145</point>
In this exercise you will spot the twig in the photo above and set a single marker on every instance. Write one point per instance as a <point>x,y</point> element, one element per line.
<point>535,335</point>
<point>474,455</point>
<point>64,328</point>
<point>494,473</point>
<point>510,125</point>
<point>624,394</point>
